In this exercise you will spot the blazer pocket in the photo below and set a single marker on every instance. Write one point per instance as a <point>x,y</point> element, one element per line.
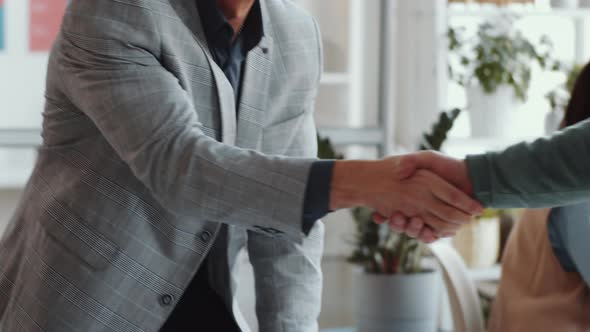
<point>285,127</point>
<point>292,115</point>
<point>70,234</point>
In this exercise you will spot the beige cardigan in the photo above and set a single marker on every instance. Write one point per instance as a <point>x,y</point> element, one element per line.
<point>535,293</point>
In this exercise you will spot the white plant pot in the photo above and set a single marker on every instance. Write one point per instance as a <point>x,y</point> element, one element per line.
<point>553,121</point>
<point>479,242</point>
<point>407,303</point>
<point>564,4</point>
<point>490,114</point>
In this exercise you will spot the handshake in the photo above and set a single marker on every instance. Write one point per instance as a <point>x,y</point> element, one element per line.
<point>425,194</point>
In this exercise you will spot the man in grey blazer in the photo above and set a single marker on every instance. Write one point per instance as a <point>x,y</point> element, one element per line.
<point>176,133</point>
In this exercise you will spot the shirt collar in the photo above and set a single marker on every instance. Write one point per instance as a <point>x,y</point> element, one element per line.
<point>218,30</point>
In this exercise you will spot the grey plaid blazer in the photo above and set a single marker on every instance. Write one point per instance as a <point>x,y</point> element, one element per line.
<point>145,169</point>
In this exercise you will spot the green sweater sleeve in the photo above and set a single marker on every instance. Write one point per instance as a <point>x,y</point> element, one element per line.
<point>545,173</point>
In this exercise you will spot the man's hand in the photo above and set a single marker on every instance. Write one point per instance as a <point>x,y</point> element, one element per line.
<point>452,170</point>
<point>403,186</point>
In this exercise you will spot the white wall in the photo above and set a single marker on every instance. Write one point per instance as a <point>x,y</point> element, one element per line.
<point>22,78</point>
<point>22,86</point>
<point>420,70</point>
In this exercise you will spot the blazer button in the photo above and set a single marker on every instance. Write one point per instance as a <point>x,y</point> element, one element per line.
<point>206,236</point>
<point>166,299</point>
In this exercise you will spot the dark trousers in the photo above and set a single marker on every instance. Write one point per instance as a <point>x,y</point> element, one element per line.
<point>200,309</point>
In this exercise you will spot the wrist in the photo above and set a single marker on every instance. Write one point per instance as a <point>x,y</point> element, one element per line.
<point>349,182</point>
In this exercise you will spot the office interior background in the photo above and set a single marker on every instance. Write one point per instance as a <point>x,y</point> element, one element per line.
<point>386,80</point>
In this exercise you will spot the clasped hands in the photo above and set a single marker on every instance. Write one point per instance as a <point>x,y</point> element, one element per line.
<point>425,194</point>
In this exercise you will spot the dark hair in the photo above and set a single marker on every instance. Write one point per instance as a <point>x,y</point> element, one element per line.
<point>578,108</point>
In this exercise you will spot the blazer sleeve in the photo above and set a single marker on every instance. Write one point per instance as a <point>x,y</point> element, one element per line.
<point>108,63</point>
<point>545,173</point>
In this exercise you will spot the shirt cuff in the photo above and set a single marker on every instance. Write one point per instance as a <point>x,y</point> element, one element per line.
<point>478,167</point>
<point>317,193</point>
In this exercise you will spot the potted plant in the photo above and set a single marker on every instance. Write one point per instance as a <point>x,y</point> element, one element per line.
<point>494,66</point>
<point>558,99</point>
<point>395,291</point>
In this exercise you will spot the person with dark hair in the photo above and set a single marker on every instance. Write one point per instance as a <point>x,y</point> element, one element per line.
<point>546,273</point>
<point>578,108</point>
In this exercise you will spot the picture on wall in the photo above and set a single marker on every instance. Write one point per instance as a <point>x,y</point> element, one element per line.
<point>45,19</point>
<point>2,24</point>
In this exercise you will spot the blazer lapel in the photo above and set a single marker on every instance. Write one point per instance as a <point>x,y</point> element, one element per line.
<point>227,104</point>
<point>255,88</point>
<point>187,11</point>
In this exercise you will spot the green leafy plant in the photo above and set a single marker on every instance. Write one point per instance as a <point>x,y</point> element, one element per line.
<point>326,149</point>
<point>377,249</point>
<point>497,55</point>
<point>440,130</point>
<point>560,95</point>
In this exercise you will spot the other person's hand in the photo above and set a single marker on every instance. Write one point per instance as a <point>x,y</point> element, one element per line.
<point>402,185</point>
<point>453,170</point>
